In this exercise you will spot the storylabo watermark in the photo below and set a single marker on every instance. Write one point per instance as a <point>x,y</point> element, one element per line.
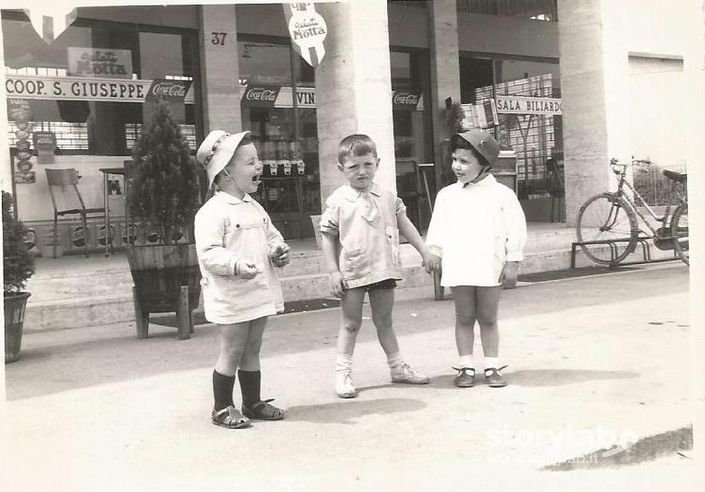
<point>539,446</point>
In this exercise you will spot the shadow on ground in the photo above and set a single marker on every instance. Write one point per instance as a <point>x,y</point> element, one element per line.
<point>347,412</point>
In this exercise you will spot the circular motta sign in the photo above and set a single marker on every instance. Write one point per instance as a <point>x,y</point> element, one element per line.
<point>308,30</point>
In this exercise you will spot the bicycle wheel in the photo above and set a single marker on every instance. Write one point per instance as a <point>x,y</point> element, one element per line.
<point>607,217</point>
<point>679,231</point>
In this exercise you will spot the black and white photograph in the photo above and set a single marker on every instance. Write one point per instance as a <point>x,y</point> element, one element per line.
<point>353,245</point>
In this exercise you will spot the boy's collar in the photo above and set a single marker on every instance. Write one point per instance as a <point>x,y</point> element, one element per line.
<point>233,200</point>
<point>352,194</point>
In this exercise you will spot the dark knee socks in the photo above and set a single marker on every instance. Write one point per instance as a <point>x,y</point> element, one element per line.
<point>250,382</point>
<point>222,390</point>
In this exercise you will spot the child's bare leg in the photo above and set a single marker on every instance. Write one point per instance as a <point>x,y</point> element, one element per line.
<point>347,334</point>
<point>465,301</point>
<point>487,306</point>
<point>250,376</point>
<point>381,305</point>
<point>250,356</point>
<point>351,304</point>
<point>233,339</point>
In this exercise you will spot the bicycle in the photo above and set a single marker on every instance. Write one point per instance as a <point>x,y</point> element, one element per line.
<point>608,229</point>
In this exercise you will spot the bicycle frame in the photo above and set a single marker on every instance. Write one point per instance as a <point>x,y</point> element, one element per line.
<point>632,202</point>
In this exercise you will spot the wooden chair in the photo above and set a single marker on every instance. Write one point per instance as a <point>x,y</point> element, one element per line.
<point>67,200</point>
<point>410,188</point>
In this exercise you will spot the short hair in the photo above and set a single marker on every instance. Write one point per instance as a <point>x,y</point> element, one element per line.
<point>357,144</point>
<point>458,142</point>
<point>246,140</point>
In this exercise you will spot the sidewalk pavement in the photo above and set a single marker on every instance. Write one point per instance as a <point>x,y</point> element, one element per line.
<point>593,362</point>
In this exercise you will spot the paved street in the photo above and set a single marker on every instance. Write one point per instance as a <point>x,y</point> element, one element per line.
<point>594,362</point>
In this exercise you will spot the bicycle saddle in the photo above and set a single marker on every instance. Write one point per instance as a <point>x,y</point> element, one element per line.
<point>678,177</point>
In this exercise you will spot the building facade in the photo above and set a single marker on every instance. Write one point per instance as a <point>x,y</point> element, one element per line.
<point>388,69</point>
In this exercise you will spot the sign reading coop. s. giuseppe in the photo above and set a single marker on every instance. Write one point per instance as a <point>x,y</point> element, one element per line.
<point>91,62</point>
<point>90,89</point>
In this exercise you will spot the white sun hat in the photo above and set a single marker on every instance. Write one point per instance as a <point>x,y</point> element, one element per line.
<point>216,150</point>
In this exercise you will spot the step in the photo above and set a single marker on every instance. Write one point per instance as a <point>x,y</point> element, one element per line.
<point>74,292</point>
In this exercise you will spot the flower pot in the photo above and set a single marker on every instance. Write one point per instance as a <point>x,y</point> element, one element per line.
<point>159,272</point>
<point>15,305</point>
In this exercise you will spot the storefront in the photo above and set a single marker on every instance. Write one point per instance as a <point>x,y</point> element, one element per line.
<point>87,95</point>
<point>88,92</point>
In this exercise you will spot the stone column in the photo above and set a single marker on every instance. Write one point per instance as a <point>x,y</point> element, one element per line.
<point>5,171</point>
<point>594,80</point>
<point>445,72</point>
<point>354,88</point>
<point>219,69</point>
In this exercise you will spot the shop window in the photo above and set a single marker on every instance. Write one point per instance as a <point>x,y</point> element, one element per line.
<point>89,86</point>
<point>279,107</point>
<point>542,10</point>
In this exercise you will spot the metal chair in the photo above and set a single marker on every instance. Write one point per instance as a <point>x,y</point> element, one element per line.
<point>411,188</point>
<point>66,181</point>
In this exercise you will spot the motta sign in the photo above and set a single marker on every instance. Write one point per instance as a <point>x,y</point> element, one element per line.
<point>261,95</point>
<point>308,30</point>
<point>528,105</point>
<point>171,90</point>
<point>89,62</point>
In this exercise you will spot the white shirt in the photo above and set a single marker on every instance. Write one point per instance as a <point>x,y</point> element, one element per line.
<point>475,229</point>
<point>227,230</point>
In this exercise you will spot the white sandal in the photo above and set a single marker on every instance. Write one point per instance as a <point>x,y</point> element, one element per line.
<point>344,385</point>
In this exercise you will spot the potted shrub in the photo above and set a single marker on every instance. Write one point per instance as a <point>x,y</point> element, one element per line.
<point>18,266</point>
<point>163,197</point>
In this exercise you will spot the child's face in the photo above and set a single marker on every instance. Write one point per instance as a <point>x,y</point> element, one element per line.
<point>360,170</point>
<point>244,170</point>
<point>465,165</point>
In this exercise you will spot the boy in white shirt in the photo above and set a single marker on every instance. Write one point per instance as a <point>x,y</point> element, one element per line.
<point>360,228</point>
<point>477,235</point>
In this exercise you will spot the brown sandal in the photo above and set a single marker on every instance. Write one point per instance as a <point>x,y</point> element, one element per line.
<point>262,410</point>
<point>230,418</point>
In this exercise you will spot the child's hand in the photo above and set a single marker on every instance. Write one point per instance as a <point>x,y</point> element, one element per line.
<point>280,254</point>
<point>508,277</point>
<point>431,262</point>
<point>336,283</point>
<point>247,269</point>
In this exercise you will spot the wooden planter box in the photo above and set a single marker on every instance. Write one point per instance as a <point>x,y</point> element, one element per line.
<point>167,279</point>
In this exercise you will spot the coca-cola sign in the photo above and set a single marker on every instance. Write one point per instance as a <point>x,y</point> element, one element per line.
<point>406,100</point>
<point>260,95</point>
<point>171,90</point>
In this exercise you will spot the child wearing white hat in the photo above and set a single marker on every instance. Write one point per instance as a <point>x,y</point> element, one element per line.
<point>238,250</point>
<point>477,235</point>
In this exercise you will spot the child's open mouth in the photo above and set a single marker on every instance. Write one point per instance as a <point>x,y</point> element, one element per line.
<point>255,179</point>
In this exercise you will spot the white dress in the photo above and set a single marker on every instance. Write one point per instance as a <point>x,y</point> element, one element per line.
<point>475,229</point>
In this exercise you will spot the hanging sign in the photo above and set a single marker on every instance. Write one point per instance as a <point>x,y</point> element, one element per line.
<point>21,113</point>
<point>307,29</point>
<point>259,95</point>
<point>169,89</point>
<point>481,115</point>
<point>90,62</point>
<point>528,105</point>
<point>45,143</point>
<point>50,21</point>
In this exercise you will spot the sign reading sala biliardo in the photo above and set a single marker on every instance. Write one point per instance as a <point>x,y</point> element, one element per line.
<point>90,62</point>
<point>528,105</point>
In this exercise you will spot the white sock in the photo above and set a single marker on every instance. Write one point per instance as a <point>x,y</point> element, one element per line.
<point>492,363</point>
<point>394,360</point>
<point>467,361</point>
<point>343,363</point>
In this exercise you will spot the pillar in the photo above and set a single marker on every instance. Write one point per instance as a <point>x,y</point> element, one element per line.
<point>445,72</point>
<point>354,88</point>
<point>219,69</point>
<point>594,80</point>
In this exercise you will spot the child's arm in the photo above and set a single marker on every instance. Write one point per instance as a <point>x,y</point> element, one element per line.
<point>412,235</point>
<point>515,223</point>
<point>435,232</point>
<point>278,249</point>
<point>209,230</point>
<point>329,243</point>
